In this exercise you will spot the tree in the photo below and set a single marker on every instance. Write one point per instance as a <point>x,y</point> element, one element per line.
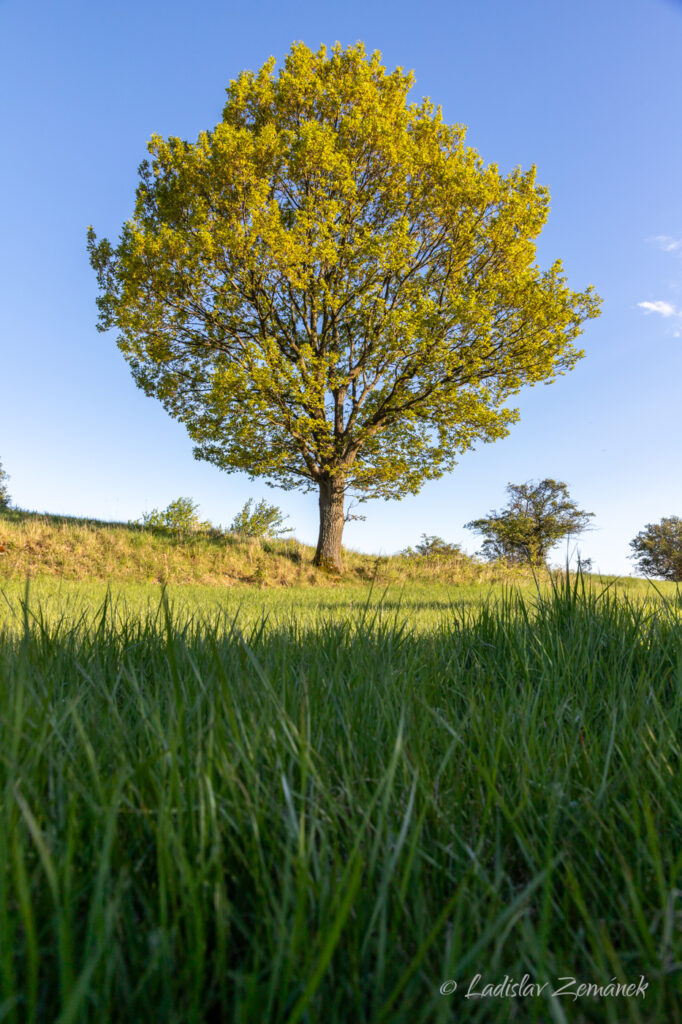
<point>264,520</point>
<point>657,549</point>
<point>331,290</point>
<point>4,493</point>
<point>537,516</point>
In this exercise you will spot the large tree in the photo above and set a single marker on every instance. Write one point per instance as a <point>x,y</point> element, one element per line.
<point>330,289</point>
<point>537,516</point>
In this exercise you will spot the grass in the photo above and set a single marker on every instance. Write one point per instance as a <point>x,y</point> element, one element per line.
<point>424,604</point>
<point>212,814</point>
<point>68,548</point>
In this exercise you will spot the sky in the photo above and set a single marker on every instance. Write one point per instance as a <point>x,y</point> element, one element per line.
<point>591,93</point>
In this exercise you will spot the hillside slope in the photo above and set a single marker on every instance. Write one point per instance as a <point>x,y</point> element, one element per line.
<point>70,548</point>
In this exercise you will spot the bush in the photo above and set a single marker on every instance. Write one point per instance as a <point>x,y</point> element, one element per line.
<point>179,517</point>
<point>263,521</point>
<point>430,547</point>
<point>657,549</point>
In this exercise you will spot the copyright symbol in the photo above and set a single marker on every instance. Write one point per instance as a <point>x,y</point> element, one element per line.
<point>448,987</point>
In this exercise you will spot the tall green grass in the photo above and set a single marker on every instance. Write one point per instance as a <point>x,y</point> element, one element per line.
<point>423,603</point>
<point>208,817</point>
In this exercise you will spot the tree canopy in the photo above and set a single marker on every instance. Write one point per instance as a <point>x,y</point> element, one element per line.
<point>330,289</point>
<point>537,516</point>
<point>657,549</point>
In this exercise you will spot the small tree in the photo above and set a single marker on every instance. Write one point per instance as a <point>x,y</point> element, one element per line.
<point>657,549</point>
<point>537,516</point>
<point>4,493</point>
<point>264,521</point>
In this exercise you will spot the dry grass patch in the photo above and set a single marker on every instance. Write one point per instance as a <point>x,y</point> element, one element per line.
<point>73,549</point>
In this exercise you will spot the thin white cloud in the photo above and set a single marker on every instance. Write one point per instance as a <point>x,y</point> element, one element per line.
<point>666,309</point>
<point>667,243</point>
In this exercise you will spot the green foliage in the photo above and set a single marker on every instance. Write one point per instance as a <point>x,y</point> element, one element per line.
<point>536,518</point>
<point>179,517</point>
<point>330,285</point>
<point>4,493</point>
<point>657,549</point>
<point>264,520</point>
<point>430,546</point>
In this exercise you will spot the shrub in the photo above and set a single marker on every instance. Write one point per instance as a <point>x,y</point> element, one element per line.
<point>264,520</point>
<point>430,547</point>
<point>657,549</point>
<point>179,517</point>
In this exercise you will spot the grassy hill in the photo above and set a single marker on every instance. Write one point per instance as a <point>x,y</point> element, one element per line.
<point>73,549</point>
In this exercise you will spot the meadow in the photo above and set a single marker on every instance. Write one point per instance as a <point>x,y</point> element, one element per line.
<point>321,804</point>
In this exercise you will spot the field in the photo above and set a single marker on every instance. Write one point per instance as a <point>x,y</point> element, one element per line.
<point>307,804</point>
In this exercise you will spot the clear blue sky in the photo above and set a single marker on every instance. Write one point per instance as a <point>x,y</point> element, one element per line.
<point>590,92</point>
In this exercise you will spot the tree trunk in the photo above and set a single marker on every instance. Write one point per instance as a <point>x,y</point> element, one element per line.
<point>328,554</point>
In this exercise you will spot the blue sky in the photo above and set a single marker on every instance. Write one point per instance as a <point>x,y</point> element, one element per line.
<point>589,92</point>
